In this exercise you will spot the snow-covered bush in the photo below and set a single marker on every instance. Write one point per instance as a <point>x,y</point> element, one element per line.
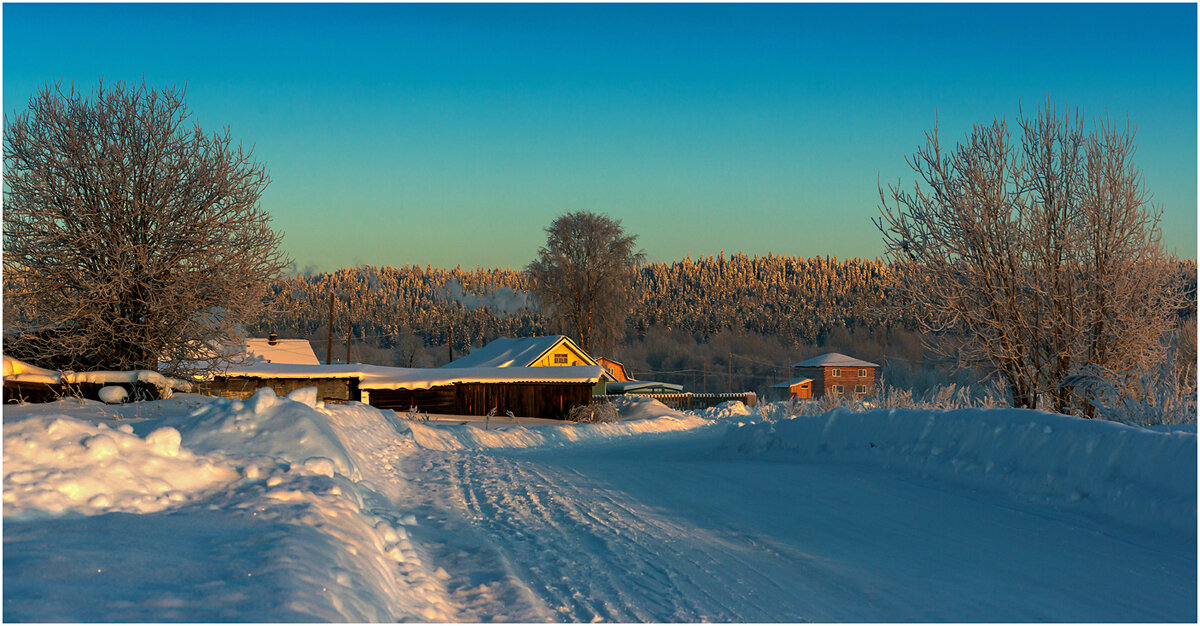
<point>595,413</point>
<point>944,397</point>
<point>1154,397</point>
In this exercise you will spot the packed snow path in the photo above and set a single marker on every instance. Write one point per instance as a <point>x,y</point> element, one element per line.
<point>672,527</point>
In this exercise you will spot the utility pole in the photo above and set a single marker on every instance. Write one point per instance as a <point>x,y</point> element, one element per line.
<point>349,330</point>
<point>329,344</point>
<point>704,377</point>
<point>730,364</point>
<point>450,340</point>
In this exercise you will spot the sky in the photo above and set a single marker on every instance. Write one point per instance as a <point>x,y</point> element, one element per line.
<point>452,135</point>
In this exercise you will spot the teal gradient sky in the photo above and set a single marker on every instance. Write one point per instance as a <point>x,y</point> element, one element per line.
<point>453,134</point>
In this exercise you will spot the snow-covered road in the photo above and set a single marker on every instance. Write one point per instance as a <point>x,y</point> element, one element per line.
<point>675,527</point>
<point>279,509</point>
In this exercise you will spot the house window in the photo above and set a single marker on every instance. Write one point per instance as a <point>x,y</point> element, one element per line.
<point>860,389</point>
<point>804,385</point>
<point>837,372</point>
<point>862,373</point>
<point>838,388</point>
<point>560,359</point>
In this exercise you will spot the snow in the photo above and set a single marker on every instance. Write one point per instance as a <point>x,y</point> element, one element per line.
<point>286,509</point>
<point>834,359</point>
<point>298,351</point>
<point>791,383</point>
<point>381,377</point>
<point>19,371</point>
<point>112,395</point>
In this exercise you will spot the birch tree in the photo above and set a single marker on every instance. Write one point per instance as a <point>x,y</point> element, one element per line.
<point>583,277</point>
<point>1038,256</point>
<point>130,235</point>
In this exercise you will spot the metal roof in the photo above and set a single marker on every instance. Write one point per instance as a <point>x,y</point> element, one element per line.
<point>834,359</point>
<point>790,383</point>
<point>513,352</point>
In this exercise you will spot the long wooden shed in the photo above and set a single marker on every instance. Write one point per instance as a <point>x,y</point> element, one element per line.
<point>547,392</point>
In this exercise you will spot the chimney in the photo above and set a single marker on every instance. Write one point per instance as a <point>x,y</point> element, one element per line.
<point>272,339</point>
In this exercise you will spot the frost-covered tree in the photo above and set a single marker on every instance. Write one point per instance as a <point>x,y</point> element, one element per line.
<point>130,235</point>
<point>1041,255</point>
<point>583,276</point>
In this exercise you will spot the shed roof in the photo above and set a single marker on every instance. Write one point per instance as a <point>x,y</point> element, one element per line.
<point>791,383</point>
<point>513,352</point>
<point>643,386</point>
<point>381,377</point>
<point>834,359</point>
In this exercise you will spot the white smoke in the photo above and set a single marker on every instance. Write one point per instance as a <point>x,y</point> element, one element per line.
<point>500,300</point>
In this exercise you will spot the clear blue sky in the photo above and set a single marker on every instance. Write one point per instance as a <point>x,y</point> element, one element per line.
<point>453,134</point>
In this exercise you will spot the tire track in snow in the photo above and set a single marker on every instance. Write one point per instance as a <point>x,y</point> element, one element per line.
<point>594,555</point>
<point>482,587</point>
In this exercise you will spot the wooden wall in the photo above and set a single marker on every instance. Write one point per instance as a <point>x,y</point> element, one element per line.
<point>824,380</point>
<point>549,400</point>
<point>337,390</point>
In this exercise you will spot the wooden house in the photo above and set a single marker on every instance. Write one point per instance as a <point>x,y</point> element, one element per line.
<point>615,369</point>
<point>548,351</point>
<point>794,389</point>
<point>834,372</point>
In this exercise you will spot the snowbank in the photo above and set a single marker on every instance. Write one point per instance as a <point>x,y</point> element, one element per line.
<point>252,505</point>
<point>57,465</point>
<point>1130,474</point>
<point>291,428</point>
<point>637,415</point>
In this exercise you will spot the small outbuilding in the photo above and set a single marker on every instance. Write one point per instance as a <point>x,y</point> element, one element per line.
<point>794,389</point>
<point>834,372</point>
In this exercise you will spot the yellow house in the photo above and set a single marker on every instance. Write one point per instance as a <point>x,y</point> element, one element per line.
<point>549,351</point>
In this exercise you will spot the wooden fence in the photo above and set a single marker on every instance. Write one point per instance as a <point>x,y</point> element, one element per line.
<point>689,401</point>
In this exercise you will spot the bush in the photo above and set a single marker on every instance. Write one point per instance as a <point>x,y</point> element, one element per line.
<point>596,413</point>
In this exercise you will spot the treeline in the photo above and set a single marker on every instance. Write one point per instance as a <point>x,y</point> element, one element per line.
<point>691,320</point>
<point>795,299</point>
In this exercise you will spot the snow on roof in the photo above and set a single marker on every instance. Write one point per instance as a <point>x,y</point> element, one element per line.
<point>381,377</point>
<point>20,371</point>
<point>641,385</point>
<point>834,359</point>
<point>298,351</point>
<point>510,352</point>
<point>791,383</point>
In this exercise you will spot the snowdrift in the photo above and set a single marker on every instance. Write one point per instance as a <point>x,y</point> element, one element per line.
<point>637,416</point>
<point>263,489</point>
<point>1133,475</point>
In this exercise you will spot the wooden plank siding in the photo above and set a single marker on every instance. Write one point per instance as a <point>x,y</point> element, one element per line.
<point>824,379</point>
<point>336,390</point>
<point>442,400</point>
<point>548,400</point>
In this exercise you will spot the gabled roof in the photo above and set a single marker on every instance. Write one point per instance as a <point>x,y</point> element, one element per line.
<point>515,352</point>
<point>834,359</point>
<point>791,383</point>
<point>294,351</point>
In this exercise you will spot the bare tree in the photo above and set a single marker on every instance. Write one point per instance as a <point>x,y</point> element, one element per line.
<point>1039,258</point>
<point>583,276</point>
<point>130,236</point>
